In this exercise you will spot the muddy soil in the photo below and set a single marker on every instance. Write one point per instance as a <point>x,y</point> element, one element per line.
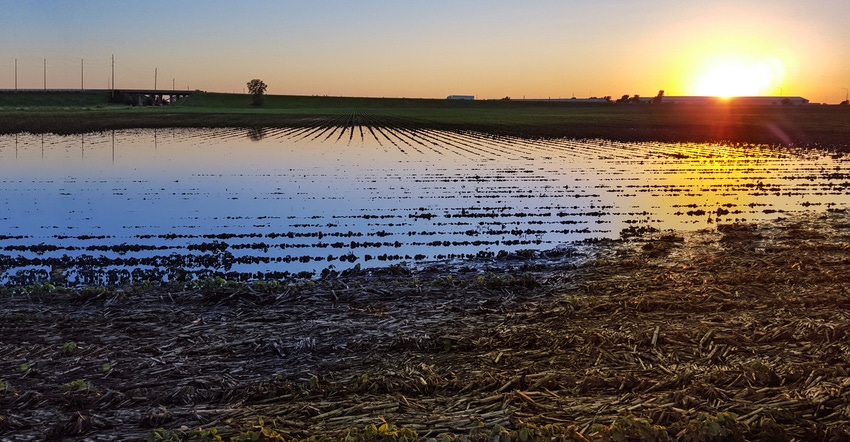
<point>670,327</point>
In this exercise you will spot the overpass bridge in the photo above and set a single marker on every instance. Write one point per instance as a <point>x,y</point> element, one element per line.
<point>135,97</point>
<point>149,97</point>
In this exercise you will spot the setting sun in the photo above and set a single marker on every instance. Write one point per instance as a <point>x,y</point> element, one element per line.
<point>735,77</point>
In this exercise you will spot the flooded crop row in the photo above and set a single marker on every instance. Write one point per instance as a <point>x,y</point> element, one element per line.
<point>268,203</point>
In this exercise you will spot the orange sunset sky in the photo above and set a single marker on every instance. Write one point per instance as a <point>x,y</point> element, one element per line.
<point>490,49</point>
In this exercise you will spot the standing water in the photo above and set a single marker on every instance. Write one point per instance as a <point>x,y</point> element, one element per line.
<point>174,203</point>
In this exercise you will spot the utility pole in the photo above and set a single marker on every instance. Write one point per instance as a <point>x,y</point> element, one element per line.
<point>82,82</point>
<point>154,78</point>
<point>44,76</point>
<point>16,74</point>
<point>113,75</point>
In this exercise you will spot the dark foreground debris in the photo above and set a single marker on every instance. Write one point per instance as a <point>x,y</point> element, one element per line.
<point>737,333</point>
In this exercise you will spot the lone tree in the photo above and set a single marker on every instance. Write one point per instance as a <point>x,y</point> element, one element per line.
<point>658,98</point>
<point>257,89</point>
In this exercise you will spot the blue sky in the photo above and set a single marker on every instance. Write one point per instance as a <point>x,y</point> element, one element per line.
<point>489,49</point>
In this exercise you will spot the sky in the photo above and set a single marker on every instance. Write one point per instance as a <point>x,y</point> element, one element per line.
<point>435,48</point>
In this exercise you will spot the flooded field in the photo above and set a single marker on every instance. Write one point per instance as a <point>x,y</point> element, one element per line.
<point>160,205</point>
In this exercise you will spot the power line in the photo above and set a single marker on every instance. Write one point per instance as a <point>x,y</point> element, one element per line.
<point>69,72</point>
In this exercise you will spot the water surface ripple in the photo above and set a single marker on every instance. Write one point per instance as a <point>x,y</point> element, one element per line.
<point>177,203</point>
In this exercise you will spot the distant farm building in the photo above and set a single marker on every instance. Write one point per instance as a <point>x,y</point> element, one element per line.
<point>460,97</point>
<point>751,101</point>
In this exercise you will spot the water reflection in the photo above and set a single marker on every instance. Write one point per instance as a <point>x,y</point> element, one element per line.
<point>143,206</point>
<point>256,133</point>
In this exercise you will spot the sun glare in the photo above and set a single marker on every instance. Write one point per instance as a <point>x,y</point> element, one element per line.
<point>735,77</point>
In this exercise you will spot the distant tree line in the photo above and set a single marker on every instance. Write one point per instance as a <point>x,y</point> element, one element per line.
<point>636,98</point>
